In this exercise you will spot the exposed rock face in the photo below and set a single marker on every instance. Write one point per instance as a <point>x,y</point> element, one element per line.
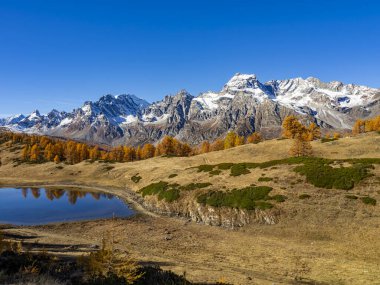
<point>224,217</point>
<point>244,105</point>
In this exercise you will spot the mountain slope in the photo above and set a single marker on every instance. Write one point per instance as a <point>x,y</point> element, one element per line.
<point>244,104</point>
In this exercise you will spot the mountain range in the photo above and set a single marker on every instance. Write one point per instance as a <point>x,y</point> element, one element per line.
<point>243,105</point>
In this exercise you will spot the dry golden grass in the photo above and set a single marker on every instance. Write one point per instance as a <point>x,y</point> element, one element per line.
<point>327,238</point>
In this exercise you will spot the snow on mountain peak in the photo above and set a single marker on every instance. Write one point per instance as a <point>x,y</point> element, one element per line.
<point>242,81</point>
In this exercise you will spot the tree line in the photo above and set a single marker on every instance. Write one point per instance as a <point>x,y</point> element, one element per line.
<point>365,126</point>
<point>39,149</point>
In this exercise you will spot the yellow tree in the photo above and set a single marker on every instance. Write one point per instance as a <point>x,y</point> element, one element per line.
<point>129,153</point>
<point>94,153</point>
<point>138,153</point>
<point>56,159</point>
<point>239,140</point>
<point>358,127</point>
<point>314,132</point>
<point>205,147</point>
<point>25,152</point>
<point>35,153</point>
<point>217,145</point>
<point>301,146</point>
<point>292,127</point>
<point>230,140</point>
<point>254,138</point>
<point>167,146</point>
<point>147,151</point>
<point>336,136</point>
<point>48,152</point>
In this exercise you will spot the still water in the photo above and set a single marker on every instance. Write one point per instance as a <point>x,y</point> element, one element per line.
<point>36,206</point>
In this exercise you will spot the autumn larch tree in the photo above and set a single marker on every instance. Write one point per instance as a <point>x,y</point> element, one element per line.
<point>35,153</point>
<point>147,151</point>
<point>230,140</point>
<point>301,146</point>
<point>293,129</point>
<point>205,147</point>
<point>56,159</point>
<point>254,138</point>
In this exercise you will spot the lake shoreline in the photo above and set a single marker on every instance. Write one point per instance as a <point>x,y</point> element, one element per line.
<point>133,201</point>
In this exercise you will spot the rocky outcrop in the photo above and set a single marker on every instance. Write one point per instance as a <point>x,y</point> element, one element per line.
<point>224,217</point>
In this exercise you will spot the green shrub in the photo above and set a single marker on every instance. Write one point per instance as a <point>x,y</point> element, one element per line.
<point>224,166</point>
<point>262,205</point>
<point>368,200</point>
<point>215,172</point>
<point>352,197</point>
<point>164,190</point>
<point>193,186</point>
<point>169,192</point>
<point>154,188</point>
<point>108,168</point>
<point>318,171</point>
<point>169,195</point>
<point>304,196</point>
<point>248,198</point>
<point>279,198</point>
<point>136,178</point>
<point>265,179</point>
<point>325,140</point>
<point>239,169</point>
<point>205,168</point>
<point>173,175</point>
<point>324,176</point>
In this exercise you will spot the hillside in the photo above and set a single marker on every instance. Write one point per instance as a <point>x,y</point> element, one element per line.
<point>313,234</point>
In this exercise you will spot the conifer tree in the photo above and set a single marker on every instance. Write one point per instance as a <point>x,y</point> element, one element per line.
<point>56,159</point>
<point>254,138</point>
<point>230,140</point>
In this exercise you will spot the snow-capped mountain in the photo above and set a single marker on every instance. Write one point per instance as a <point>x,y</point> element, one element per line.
<point>244,104</point>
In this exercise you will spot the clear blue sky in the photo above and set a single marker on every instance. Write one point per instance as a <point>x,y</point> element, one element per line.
<point>57,54</point>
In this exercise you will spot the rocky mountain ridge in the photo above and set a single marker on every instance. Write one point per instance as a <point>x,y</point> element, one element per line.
<point>244,105</point>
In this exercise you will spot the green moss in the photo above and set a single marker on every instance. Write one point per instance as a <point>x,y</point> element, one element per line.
<point>154,188</point>
<point>205,168</point>
<point>279,198</point>
<point>173,175</point>
<point>262,205</point>
<point>193,186</point>
<point>136,178</point>
<point>108,167</point>
<point>169,195</point>
<point>169,192</point>
<point>224,166</point>
<point>325,140</point>
<point>369,201</point>
<point>248,198</point>
<point>352,197</point>
<point>239,169</point>
<point>215,172</point>
<point>164,190</point>
<point>318,171</point>
<point>265,179</point>
<point>324,176</point>
<point>304,196</point>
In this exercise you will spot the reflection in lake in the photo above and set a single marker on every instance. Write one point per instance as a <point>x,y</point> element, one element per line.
<point>57,193</point>
<point>32,206</point>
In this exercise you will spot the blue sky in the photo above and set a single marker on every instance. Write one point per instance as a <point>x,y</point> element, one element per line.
<point>57,54</point>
